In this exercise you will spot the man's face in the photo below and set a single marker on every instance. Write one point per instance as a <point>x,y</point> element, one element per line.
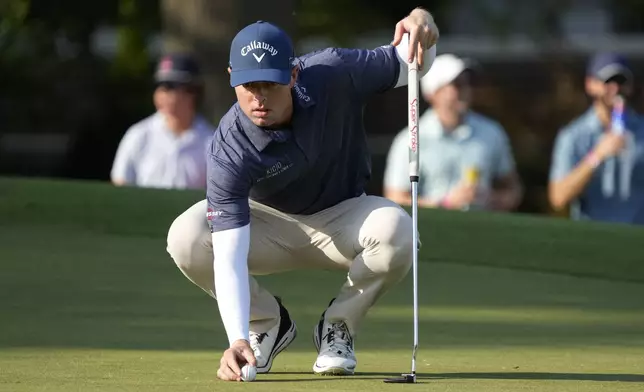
<point>606,91</point>
<point>267,104</point>
<point>454,97</point>
<point>174,99</point>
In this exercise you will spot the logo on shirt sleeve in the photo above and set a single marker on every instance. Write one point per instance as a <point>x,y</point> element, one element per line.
<point>303,96</point>
<point>211,214</point>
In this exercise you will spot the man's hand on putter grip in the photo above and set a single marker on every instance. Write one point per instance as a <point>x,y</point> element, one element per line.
<point>423,34</point>
<point>234,359</point>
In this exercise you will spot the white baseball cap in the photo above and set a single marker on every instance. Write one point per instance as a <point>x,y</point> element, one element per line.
<point>444,70</point>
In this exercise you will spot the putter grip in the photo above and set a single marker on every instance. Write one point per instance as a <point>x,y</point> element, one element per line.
<point>412,119</point>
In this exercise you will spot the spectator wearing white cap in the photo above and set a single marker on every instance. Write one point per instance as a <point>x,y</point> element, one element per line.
<point>465,158</point>
<point>167,149</point>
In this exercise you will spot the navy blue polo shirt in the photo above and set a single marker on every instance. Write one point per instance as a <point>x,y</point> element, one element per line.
<point>320,161</point>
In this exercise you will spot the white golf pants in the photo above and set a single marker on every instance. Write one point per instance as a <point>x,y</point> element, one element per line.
<point>370,237</point>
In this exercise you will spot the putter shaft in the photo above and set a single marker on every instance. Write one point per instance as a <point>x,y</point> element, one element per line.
<point>414,192</point>
<point>413,126</point>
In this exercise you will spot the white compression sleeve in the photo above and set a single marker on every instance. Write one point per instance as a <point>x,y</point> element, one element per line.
<point>403,53</point>
<point>230,248</point>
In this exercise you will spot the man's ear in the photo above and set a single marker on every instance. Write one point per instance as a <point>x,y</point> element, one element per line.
<point>229,70</point>
<point>294,72</point>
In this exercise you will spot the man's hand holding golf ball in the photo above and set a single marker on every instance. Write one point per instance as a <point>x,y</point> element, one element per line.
<point>238,356</point>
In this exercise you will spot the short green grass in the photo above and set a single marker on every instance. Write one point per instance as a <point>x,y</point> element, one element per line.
<point>90,301</point>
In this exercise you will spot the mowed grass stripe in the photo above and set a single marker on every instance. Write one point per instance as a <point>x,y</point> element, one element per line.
<point>607,251</point>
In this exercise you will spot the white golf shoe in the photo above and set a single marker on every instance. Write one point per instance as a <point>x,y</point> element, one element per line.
<point>267,345</point>
<point>335,349</point>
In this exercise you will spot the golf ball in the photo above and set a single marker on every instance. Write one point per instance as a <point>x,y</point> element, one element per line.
<point>248,373</point>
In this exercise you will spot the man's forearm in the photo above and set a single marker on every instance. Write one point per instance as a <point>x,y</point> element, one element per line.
<point>119,182</point>
<point>230,248</point>
<point>404,198</point>
<point>562,192</point>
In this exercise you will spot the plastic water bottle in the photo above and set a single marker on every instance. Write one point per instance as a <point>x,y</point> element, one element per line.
<point>624,158</point>
<point>617,116</point>
<point>616,126</point>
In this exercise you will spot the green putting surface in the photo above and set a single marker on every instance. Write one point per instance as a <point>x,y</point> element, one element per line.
<point>90,301</point>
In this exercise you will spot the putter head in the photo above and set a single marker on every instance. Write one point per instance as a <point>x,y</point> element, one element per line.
<point>404,379</point>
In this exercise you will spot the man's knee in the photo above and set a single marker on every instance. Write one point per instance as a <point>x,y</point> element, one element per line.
<point>388,231</point>
<point>187,241</point>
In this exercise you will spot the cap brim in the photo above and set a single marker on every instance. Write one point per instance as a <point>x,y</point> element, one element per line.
<point>442,78</point>
<point>279,76</point>
<point>174,77</point>
<point>612,70</point>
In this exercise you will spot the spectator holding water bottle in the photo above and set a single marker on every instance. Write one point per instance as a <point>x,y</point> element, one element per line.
<point>598,159</point>
<point>466,161</point>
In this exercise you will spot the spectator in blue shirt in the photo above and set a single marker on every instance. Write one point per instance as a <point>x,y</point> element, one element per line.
<point>287,170</point>
<point>599,173</point>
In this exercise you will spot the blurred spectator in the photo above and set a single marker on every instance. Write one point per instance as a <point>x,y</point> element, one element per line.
<point>465,158</point>
<point>597,172</point>
<point>168,148</point>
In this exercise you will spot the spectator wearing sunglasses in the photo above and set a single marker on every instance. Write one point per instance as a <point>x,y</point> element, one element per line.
<point>167,149</point>
<point>597,172</point>
<point>466,161</point>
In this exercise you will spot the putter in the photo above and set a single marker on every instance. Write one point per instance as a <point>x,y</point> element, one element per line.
<point>412,119</point>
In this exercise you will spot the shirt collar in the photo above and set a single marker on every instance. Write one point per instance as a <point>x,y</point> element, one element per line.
<point>259,137</point>
<point>199,123</point>
<point>631,120</point>
<point>435,128</point>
